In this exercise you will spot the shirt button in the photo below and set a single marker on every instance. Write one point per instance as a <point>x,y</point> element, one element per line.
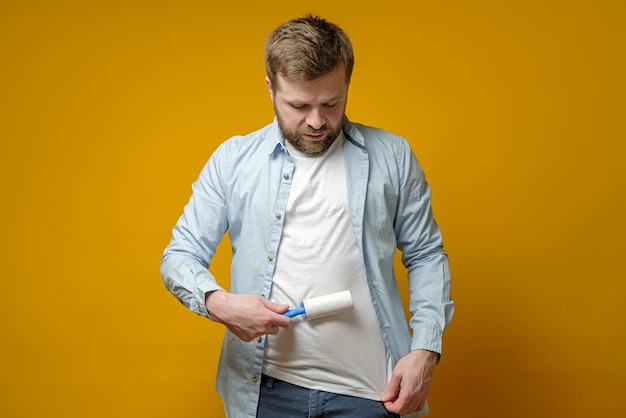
<point>270,257</point>
<point>286,176</point>
<point>259,340</point>
<point>278,216</point>
<point>254,379</point>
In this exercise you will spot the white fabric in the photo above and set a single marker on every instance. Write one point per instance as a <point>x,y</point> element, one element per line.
<point>318,255</point>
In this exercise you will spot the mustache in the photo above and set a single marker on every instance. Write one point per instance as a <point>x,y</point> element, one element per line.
<point>314,131</point>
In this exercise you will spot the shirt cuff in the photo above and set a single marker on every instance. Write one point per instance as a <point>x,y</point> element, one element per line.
<point>427,338</point>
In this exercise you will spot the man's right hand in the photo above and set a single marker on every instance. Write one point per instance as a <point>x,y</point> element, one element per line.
<point>246,316</point>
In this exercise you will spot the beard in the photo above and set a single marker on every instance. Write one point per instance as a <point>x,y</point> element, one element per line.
<point>306,146</point>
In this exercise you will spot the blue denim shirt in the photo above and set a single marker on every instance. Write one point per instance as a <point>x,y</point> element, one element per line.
<point>243,190</point>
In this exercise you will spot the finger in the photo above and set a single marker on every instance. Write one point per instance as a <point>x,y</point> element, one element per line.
<point>397,405</point>
<point>279,319</point>
<point>392,407</point>
<point>392,390</point>
<point>274,329</point>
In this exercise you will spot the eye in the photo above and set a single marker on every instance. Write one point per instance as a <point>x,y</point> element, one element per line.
<point>330,105</point>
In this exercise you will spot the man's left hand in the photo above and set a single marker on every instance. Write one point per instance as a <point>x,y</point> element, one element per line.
<point>409,382</point>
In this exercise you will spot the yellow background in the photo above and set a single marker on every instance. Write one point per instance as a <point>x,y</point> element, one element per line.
<point>108,110</point>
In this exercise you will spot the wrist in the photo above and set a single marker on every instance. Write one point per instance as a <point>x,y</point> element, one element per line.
<point>213,300</point>
<point>428,355</point>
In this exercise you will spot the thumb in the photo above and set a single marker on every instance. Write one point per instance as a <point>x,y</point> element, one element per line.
<point>276,307</point>
<point>392,390</point>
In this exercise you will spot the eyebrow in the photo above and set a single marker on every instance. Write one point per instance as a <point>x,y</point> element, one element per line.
<point>302,103</point>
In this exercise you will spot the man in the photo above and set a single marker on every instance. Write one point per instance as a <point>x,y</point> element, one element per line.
<point>315,204</point>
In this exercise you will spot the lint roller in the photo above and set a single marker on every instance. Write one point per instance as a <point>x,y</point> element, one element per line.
<point>322,306</point>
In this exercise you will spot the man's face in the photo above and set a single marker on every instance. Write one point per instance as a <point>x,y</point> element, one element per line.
<point>310,114</point>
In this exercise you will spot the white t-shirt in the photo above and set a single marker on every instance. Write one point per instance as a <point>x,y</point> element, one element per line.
<point>318,255</point>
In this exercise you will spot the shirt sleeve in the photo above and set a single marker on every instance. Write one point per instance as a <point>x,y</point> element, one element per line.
<point>186,260</point>
<point>419,239</point>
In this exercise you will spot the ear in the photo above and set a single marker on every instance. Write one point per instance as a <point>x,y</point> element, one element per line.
<point>270,87</point>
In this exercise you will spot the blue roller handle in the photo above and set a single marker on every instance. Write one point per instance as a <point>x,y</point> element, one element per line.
<point>295,312</point>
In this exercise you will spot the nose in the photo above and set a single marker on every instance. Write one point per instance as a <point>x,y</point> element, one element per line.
<point>315,119</point>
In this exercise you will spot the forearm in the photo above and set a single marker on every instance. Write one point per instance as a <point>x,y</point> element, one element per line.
<point>188,280</point>
<point>430,304</point>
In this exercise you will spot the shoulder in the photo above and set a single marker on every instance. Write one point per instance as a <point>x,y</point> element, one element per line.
<point>378,140</point>
<point>241,151</point>
<point>259,140</point>
<point>251,148</point>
